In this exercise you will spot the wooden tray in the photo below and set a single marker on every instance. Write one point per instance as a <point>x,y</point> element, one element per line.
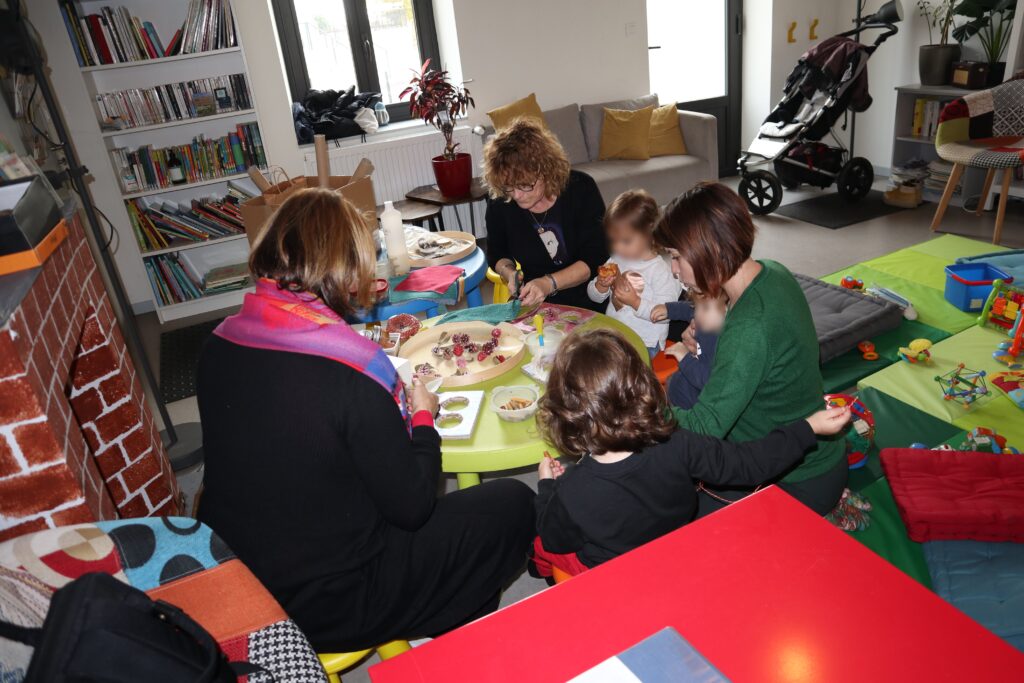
<point>417,261</point>
<point>419,349</point>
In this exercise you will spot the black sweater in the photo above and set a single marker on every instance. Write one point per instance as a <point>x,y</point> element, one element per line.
<point>578,213</point>
<point>600,511</point>
<point>308,466</point>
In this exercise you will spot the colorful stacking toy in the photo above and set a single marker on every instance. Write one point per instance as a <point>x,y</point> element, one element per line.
<point>963,385</point>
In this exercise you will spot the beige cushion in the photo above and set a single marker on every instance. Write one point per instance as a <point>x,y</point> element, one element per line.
<point>527,106</point>
<point>564,122</point>
<point>592,116</point>
<point>626,134</point>
<point>666,137</point>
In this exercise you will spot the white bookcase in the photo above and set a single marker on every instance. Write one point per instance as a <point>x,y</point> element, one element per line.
<point>167,16</point>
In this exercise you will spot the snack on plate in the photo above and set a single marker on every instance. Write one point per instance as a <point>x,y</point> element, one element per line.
<point>608,270</point>
<point>517,404</point>
<point>404,324</point>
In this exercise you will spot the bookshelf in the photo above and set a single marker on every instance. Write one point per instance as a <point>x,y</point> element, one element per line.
<point>204,145</point>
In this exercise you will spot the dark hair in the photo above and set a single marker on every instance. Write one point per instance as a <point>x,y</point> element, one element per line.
<point>711,229</point>
<point>637,208</point>
<point>601,397</point>
<point>318,242</point>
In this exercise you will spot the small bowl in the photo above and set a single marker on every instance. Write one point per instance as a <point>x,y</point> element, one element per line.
<point>552,339</point>
<point>502,395</point>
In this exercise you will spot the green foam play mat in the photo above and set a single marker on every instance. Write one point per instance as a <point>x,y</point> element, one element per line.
<point>887,536</point>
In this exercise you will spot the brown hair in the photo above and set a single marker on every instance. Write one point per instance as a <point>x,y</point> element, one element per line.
<point>636,208</point>
<point>712,230</point>
<point>601,397</point>
<point>318,242</point>
<point>523,152</point>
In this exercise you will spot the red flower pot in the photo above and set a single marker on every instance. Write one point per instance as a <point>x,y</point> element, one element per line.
<point>454,176</point>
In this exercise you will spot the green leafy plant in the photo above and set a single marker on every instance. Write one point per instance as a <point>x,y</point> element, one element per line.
<point>433,98</point>
<point>990,20</point>
<point>938,15</point>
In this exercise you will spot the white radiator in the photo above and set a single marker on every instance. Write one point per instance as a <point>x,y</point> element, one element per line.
<point>405,163</point>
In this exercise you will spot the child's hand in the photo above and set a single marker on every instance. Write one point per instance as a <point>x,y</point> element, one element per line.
<point>624,293</point>
<point>689,339</point>
<point>659,313</point>
<point>829,421</point>
<point>677,351</point>
<point>604,282</point>
<point>550,468</point>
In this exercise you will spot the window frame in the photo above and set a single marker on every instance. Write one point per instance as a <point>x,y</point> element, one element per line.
<point>361,39</point>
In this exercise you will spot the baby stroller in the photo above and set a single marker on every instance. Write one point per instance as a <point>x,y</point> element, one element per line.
<point>829,79</point>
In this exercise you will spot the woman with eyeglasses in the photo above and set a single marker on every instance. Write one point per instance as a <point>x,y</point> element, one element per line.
<point>543,216</point>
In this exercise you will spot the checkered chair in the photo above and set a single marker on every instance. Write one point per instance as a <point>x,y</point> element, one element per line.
<point>175,559</point>
<point>983,129</point>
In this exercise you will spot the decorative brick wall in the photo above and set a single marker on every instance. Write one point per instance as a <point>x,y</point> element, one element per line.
<point>48,475</point>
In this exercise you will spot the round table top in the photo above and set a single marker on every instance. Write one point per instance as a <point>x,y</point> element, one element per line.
<point>499,445</point>
<point>475,266</point>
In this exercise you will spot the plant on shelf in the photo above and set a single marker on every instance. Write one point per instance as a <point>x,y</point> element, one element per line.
<point>992,22</point>
<point>935,60</point>
<point>433,98</point>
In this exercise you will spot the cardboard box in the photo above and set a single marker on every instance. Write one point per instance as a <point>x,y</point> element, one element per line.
<point>256,212</point>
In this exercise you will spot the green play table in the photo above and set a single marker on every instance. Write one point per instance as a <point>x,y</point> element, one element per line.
<point>497,445</point>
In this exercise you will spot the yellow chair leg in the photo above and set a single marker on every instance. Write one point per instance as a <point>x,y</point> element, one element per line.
<point>989,177</point>
<point>1001,211</point>
<point>947,194</point>
<point>467,479</point>
<point>393,649</point>
<point>333,678</point>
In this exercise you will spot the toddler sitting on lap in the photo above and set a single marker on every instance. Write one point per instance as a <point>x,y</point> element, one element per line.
<point>684,385</point>
<point>637,277</point>
<point>635,479</point>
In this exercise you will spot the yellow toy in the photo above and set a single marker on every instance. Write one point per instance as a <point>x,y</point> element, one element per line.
<point>916,351</point>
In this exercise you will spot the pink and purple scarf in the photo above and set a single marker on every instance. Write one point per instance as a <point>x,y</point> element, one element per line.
<point>279,320</point>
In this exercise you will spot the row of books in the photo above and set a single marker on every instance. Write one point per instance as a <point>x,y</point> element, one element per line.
<point>159,223</point>
<point>926,117</point>
<point>135,107</point>
<point>114,36</point>
<point>149,168</point>
<point>189,275</point>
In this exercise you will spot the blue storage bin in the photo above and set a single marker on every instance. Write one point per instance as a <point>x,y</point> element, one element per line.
<point>969,284</point>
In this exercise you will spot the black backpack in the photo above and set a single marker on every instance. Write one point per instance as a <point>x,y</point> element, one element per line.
<point>100,630</point>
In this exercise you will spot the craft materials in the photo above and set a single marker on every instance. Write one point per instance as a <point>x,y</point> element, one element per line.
<point>458,414</point>
<point>515,403</point>
<point>963,385</point>
<point>867,350</point>
<point>394,239</point>
<point>427,248</point>
<point>538,325</point>
<point>1011,383</point>
<point>404,324</point>
<point>464,353</point>
<point>916,352</point>
<point>860,435</point>
<point>1004,309</point>
<point>985,440</point>
<point>851,513</point>
<point>850,282</point>
<point>491,313</point>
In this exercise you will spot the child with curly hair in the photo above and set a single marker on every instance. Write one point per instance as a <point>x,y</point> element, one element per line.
<point>636,474</point>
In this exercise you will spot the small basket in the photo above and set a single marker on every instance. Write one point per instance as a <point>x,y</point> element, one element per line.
<point>969,284</point>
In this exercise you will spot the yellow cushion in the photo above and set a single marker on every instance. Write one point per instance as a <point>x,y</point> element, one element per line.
<point>502,116</point>
<point>666,136</point>
<point>626,134</point>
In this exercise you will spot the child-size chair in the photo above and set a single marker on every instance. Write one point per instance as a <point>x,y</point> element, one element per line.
<point>983,129</point>
<point>501,293</point>
<point>335,663</point>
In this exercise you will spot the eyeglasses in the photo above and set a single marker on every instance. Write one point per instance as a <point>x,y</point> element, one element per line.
<point>507,191</point>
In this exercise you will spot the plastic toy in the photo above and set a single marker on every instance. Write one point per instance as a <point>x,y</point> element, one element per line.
<point>867,350</point>
<point>924,447</point>
<point>1011,383</point>
<point>963,385</point>
<point>909,312</point>
<point>861,433</point>
<point>916,351</point>
<point>850,282</point>
<point>1002,311</point>
<point>985,440</point>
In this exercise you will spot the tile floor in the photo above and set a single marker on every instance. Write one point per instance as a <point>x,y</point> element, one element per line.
<point>803,247</point>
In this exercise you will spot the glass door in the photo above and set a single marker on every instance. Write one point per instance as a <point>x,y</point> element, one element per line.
<point>694,55</point>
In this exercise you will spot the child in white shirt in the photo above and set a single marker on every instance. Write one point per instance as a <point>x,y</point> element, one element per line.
<point>629,225</point>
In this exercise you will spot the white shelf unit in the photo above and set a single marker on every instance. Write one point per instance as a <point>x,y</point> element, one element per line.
<point>907,146</point>
<point>167,16</point>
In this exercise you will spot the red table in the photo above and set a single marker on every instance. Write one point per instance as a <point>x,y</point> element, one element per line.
<point>766,590</point>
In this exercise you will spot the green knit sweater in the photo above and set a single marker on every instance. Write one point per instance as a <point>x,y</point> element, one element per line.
<point>765,372</point>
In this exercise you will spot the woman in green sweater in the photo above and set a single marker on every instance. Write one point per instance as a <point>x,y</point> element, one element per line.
<point>765,372</point>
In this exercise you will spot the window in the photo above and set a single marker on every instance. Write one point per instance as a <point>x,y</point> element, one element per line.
<point>374,44</point>
<point>674,55</point>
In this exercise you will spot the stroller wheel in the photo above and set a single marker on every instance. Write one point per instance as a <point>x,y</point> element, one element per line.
<point>762,192</point>
<point>855,179</point>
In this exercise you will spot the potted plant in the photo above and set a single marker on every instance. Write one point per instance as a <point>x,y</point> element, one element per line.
<point>935,60</point>
<point>433,98</point>
<point>991,21</point>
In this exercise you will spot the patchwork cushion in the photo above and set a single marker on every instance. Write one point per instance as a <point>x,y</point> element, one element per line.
<point>844,318</point>
<point>952,495</point>
<point>984,128</point>
<point>175,559</point>
<point>985,153</point>
<point>985,581</point>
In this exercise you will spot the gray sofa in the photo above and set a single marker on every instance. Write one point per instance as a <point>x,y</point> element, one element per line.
<point>578,128</point>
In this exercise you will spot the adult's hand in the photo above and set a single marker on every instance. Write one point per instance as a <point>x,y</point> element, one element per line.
<point>422,398</point>
<point>535,291</point>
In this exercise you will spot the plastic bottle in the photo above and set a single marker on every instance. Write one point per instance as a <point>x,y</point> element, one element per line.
<point>394,238</point>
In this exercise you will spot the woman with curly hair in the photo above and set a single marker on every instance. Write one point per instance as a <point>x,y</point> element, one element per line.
<point>542,215</point>
<point>635,477</point>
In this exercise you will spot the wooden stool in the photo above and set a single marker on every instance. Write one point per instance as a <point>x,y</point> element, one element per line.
<point>417,212</point>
